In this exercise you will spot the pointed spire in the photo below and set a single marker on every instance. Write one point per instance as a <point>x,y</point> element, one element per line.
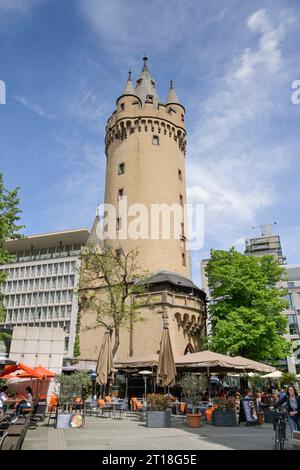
<point>95,233</point>
<point>172,96</point>
<point>145,67</point>
<point>129,88</point>
<point>145,87</point>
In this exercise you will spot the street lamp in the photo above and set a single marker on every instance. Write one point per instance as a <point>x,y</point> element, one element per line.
<point>145,374</point>
<point>93,377</point>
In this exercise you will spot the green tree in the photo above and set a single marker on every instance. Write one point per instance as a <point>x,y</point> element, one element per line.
<point>246,314</point>
<point>113,286</point>
<point>9,228</point>
<point>76,346</point>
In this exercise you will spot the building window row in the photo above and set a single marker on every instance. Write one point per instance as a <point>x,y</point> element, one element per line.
<point>38,314</point>
<point>60,251</point>
<point>21,272</point>
<point>27,285</point>
<point>39,298</point>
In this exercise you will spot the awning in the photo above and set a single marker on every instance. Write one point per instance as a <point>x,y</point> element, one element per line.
<point>201,360</point>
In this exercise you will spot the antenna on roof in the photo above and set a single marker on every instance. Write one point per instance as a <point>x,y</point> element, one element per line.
<point>265,229</point>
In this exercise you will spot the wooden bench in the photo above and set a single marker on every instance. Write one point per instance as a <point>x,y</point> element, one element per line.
<point>14,436</point>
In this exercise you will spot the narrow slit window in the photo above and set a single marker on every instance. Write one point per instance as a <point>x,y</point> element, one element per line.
<point>183,255</point>
<point>120,194</point>
<point>121,169</point>
<point>179,174</point>
<point>119,223</point>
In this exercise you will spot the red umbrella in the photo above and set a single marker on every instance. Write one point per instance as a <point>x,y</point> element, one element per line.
<point>32,372</point>
<point>48,374</point>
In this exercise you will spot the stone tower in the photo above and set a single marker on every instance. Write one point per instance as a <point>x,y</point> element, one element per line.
<point>145,154</point>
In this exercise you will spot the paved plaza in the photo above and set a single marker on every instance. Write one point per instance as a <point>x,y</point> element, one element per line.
<point>131,434</point>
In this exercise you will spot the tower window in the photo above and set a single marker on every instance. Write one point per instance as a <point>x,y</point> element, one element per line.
<point>182,117</point>
<point>183,256</point>
<point>179,174</point>
<point>149,99</point>
<point>120,194</point>
<point>121,169</point>
<point>155,140</point>
<point>122,106</point>
<point>182,228</point>
<point>119,223</point>
<point>181,199</point>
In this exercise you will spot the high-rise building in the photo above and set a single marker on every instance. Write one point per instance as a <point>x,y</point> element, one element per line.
<point>145,148</point>
<point>266,244</point>
<point>43,276</point>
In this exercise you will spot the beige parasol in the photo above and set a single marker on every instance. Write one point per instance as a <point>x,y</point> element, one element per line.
<point>105,361</point>
<point>166,370</point>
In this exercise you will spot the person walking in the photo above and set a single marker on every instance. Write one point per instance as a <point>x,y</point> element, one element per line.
<point>292,400</point>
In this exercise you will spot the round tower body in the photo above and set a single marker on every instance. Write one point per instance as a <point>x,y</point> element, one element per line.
<point>145,179</point>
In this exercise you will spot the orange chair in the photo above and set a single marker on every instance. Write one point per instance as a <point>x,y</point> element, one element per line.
<point>53,409</point>
<point>133,401</point>
<point>182,408</point>
<point>209,412</point>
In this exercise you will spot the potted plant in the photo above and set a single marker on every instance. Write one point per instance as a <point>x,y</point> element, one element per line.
<point>158,411</point>
<point>71,387</point>
<point>191,386</point>
<point>224,413</point>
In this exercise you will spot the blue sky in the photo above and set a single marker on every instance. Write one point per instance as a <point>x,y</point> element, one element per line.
<point>233,62</point>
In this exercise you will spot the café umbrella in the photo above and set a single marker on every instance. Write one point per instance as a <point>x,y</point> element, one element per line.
<point>166,370</point>
<point>105,363</point>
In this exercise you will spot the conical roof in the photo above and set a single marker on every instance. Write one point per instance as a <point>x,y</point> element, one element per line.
<point>95,234</point>
<point>172,96</point>
<point>129,88</point>
<point>145,88</point>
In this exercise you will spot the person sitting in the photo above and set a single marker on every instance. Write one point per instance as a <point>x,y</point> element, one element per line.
<point>25,404</point>
<point>3,398</point>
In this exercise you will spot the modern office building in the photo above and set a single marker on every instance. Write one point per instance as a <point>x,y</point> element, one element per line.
<point>292,284</point>
<point>43,276</point>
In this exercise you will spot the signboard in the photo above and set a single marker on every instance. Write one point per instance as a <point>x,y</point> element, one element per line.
<point>248,411</point>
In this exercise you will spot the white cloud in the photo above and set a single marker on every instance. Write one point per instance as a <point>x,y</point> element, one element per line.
<point>22,7</point>
<point>36,108</point>
<point>232,163</point>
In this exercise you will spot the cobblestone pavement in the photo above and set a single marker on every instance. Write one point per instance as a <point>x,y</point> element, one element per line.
<point>131,434</point>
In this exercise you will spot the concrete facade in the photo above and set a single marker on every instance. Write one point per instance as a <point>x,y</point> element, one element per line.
<point>42,279</point>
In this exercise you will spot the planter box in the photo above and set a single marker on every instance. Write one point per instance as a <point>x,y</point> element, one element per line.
<point>269,416</point>
<point>224,418</point>
<point>159,419</point>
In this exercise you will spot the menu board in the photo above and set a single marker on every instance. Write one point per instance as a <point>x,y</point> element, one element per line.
<point>249,411</point>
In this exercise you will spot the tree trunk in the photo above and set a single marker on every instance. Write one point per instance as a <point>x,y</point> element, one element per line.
<point>117,342</point>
